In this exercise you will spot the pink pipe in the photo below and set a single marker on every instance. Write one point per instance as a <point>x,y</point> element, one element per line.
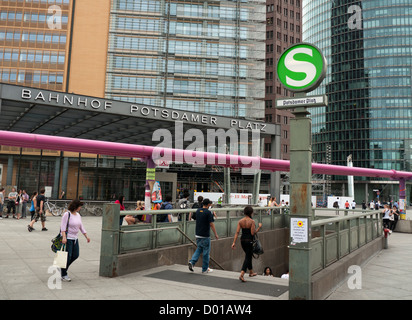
<point>28,140</point>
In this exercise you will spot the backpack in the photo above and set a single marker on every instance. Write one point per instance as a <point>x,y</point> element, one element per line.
<point>183,205</point>
<point>196,205</point>
<point>336,204</point>
<point>161,217</point>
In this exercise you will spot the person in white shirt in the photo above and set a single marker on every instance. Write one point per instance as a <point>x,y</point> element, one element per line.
<point>12,203</point>
<point>353,204</point>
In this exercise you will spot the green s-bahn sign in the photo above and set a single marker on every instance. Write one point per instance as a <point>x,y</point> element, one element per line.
<point>302,67</point>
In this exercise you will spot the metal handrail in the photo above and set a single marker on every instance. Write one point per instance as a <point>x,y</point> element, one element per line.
<point>367,215</point>
<point>171,211</point>
<point>178,229</point>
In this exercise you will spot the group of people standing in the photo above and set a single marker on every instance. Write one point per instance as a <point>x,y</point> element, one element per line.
<point>16,203</point>
<point>19,202</point>
<point>390,217</point>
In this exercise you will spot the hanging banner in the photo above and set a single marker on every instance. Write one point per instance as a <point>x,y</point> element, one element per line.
<point>156,193</point>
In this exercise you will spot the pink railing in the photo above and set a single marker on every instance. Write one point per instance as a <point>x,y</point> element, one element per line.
<point>38,141</point>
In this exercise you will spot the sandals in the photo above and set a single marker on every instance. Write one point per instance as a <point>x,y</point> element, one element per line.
<point>242,279</point>
<point>252,274</point>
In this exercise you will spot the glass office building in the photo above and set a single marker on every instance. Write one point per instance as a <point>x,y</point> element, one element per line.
<point>33,38</point>
<point>205,56</point>
<point>368,47</point>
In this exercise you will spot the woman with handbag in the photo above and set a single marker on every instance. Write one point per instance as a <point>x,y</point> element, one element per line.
<point>248,226</point>
<point>69,233</point>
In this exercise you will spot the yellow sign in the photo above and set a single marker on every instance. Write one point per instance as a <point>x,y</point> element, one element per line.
<point>150,173</point>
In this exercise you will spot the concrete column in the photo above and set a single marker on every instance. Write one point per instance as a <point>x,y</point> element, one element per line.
<point>110,241</point>
<point>300,266</point>
<point>9,178</point>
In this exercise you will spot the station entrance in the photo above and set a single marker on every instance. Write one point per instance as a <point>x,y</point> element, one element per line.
<point>101,177</point>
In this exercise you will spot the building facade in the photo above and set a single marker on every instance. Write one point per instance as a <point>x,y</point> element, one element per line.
<point>368,48</point>
<point>201,56</point>
<point>283,28</point>
<point>205,56</point>
<point>34,42</point>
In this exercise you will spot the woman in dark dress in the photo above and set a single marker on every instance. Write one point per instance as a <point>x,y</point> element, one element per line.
<point>247,224</point>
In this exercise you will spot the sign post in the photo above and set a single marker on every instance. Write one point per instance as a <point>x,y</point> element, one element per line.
<point>301,68</point>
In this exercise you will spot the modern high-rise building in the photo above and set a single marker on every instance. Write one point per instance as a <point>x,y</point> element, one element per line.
<point>204,56</point>
<point>368,47</point>
<point>34,42</point>
<point>283,28</point>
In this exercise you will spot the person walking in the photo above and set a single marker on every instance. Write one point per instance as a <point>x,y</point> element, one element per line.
<point>69,233</point>
<point>40,212</point>
<point>248,226</point>
<point>1,202</point>
<point>204,222</point>
<point>33,205</point>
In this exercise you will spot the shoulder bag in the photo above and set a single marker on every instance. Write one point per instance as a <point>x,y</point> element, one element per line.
<point>257,246</point>
<point>57,241</point>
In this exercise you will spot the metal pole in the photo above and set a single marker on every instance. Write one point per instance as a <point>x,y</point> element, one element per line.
<point>300,269</point>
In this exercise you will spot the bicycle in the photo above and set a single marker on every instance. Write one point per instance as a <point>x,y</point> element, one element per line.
<point>64,209</point>
<point>52,208</point>
<point>93,209</point>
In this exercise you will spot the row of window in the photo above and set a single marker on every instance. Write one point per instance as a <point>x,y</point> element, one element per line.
<point>179,66</point>
<point>182,28</point>
<point>42,1</point>
<point>16,16</point>
<point>178,86</point>
<point>31,77</point>
<point>30,56</point>
<point>182,47</point>
<point>185,9</point>
<point>286,92</point>
<point>38,37</point>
